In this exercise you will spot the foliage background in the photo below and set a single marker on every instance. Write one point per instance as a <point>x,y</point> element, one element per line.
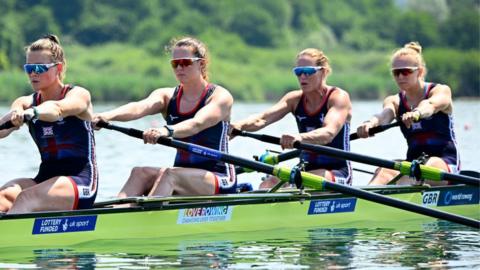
<point>116,48</point>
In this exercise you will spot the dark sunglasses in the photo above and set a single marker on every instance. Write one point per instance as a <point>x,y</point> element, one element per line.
<point>184,62</point>
<point>405,71</point>
<point>307,70</point>
<point>38,68</point>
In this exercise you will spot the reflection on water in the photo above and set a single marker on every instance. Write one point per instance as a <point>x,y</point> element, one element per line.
<point>442,245</point>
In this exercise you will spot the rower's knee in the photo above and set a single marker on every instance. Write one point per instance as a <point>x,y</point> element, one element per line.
<point>5,203</point>
<point>8,195</point>
<point>169,175</point>
<point>25,202</point>
<point>138,172</point>
<point>437,163</point>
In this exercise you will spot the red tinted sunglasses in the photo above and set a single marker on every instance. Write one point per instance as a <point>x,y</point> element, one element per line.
<point>405,71</point>
<point>184,62</point>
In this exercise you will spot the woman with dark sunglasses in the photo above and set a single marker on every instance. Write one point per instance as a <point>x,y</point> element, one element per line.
<point>59,122</point>
<point>322,112</point>
<point>196,111</point>
<point>425,112</point>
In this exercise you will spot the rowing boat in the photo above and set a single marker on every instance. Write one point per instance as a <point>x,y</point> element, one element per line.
<point>193,216</point>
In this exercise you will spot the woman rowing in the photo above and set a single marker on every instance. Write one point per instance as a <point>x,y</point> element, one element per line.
<point>322,112</point>
<point>60,126</point>
<point>425,111</point>
<point>196,111</point>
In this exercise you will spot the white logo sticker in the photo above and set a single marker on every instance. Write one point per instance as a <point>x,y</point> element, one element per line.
<point>430,198</point>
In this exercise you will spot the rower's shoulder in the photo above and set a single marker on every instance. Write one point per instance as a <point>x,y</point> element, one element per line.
<point>293,95</point>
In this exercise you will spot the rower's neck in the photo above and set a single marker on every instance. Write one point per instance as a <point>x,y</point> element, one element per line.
<point>315,97</point>
<point>53,92</point>
<point>193,90</point>
<point>417,92</point>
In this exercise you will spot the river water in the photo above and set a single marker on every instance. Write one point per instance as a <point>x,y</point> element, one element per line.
<point>445,246</point>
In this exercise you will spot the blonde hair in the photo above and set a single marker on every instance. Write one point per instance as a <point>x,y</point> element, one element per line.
<point>199,49</point>
<point>320,58</point>
<point>413,49</point>
<point>50,43</point>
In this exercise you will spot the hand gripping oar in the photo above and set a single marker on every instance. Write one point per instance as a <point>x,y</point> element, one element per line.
<point>375,130</point>
<point>404,167</point>
<point>309,180</point>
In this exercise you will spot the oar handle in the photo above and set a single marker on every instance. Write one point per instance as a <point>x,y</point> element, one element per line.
<point>6,125</point>
<point>129,131</point>
<point>375,130</point>
<point>260,137</point>
<point>289,155</point>
<point>9,124</point>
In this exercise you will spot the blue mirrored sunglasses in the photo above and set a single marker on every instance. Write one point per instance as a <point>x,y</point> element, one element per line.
<point>38,68</point>
<point>307,70</point>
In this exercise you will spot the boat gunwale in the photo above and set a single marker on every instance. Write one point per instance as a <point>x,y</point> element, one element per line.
<point>145,204</point>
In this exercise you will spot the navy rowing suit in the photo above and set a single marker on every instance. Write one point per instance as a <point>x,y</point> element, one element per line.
<point>215,137</point>
<point>434,136</point>
<point>67,148</point>
<point>308,121</point>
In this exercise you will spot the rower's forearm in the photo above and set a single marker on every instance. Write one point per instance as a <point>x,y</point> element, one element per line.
<point>18,105</point>
<point>253,124</point>
<point>425,109</point>
<point>188,128</point>
<point>321,137</point>
<point>127,112</point>
<point>48,111</point>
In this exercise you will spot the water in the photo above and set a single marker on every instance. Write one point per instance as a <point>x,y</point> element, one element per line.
<point>443,245</point>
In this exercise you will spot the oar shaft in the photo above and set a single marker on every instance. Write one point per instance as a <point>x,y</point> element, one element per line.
<point>289,155</point>
<point>329,151</point>
<point>196,149</point>
<point>404,167</point>
<point>276,159</point>
<point>375,130</point>
<point>309,180</point>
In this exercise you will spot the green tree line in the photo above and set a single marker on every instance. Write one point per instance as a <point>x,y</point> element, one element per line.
<point>116,48</point>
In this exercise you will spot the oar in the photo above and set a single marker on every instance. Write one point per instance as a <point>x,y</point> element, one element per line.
<point>295,153</point>
<point>6,125</point>
<point>375,130</point>
<point>309,180</point>
<point>404,167</point>
<point>271,159</point>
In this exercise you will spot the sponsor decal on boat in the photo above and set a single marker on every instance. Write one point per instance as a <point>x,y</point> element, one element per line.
<point>430,198</point>
<point>332,206</point>
<point>204,152</point>
<point>451,197</point>
<point>459,197</point>
<point>204,214</point>
<point>64,224</point>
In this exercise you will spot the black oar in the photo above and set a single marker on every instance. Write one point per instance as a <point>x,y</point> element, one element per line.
<point>404,167</point>
<point>375,130</point>
<point>295,153</point>
<point>309,180</point>
<point>6,125</point>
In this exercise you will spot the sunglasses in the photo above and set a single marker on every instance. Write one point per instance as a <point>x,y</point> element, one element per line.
<point>184,62</point>
<point>405,71</point>
<point>307,70</point>
<point>38,68</point>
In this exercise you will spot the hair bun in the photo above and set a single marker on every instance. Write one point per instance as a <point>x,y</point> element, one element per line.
<point>414,45</point>
<point>52,38</point>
